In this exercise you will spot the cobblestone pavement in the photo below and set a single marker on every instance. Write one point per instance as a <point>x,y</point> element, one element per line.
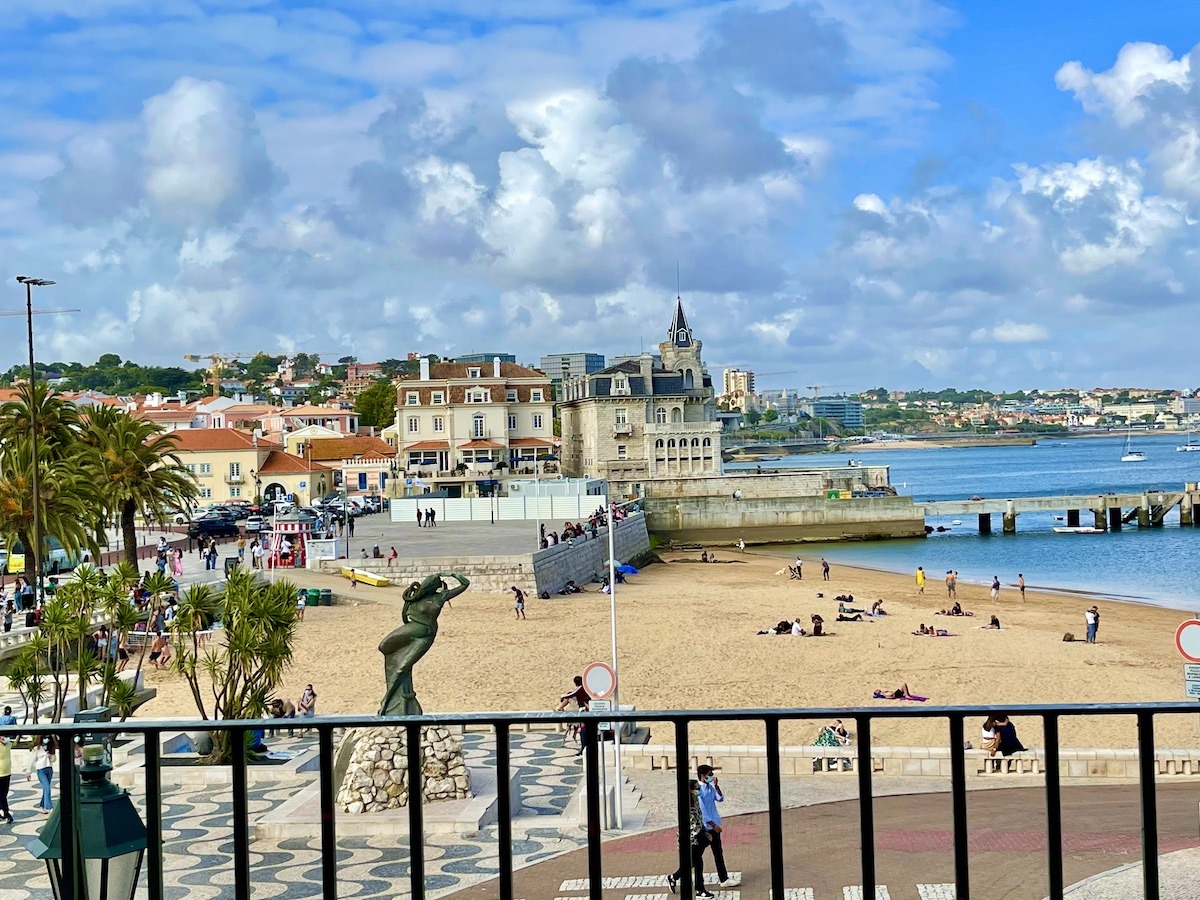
<point>198,837</point>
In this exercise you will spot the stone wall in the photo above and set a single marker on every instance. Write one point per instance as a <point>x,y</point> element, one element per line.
<point>487,573</point>
<point>585,561</point>
<point>377,776</point>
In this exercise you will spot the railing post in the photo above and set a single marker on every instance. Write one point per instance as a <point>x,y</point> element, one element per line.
<point>958,795</point>
<point>241,816</point>
<point>151,750</point>
<point>504,809</point>
<point>67,811</point>
<point>774,807</point>
<point>592,779</point>
<point>866,807</point>
<point>683,798</point>
<point>1145,720</point>
<point>416,813</point>
<point>328,821</point>
<point>1053,807</point>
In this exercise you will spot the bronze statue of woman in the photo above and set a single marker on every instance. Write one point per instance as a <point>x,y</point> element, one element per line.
<point>423,602</point>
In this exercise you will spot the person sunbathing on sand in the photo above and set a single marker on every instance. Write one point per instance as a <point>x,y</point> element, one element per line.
<point>901,693</point>
<point>849,610</point>
<point>993,625</point>
<point>855,618</point>
<point>877,608</point>
<point>923,630</point>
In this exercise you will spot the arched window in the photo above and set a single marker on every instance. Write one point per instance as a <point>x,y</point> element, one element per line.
<point>477,430</point>
<point>708,442</point>
<point>695,442</point>
<point>688,380</point>
<point>660,415</point>
<point>658,445</point>
<point>671,444</point>
<point>676,414</point>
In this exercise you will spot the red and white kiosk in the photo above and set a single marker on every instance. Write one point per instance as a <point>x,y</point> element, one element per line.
<point>287,547</point>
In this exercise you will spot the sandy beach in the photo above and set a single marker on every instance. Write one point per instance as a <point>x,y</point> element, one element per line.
<point>688,640</point>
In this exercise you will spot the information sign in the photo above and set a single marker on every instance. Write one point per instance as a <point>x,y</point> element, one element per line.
<point>1193,689</point>
<point>1191,672</point>
<point>606,706</point>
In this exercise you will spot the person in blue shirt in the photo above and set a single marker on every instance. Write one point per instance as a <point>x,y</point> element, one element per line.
<point>8,718</point>
<point>710,795</point>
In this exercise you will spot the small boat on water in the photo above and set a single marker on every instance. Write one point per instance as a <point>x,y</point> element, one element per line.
<point>1189,447</point>
<point>1077,529</point>
<point>956,522</point>
<point>1132,455</point>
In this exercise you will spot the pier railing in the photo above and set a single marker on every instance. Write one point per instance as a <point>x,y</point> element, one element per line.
<point>502,725</point>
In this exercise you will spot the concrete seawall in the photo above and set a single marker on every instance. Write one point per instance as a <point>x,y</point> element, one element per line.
<point>586,560</point>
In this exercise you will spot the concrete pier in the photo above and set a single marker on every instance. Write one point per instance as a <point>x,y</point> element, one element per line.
<point>1187,513</point>
<point>1010,523</point>
<point>1114,518</point>
<point>985,523</point>
<point>1098,519</point>
<point>1143,516</point>
<point>1072,518</point>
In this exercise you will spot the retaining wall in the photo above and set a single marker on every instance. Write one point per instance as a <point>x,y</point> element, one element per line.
<point>587,560</point>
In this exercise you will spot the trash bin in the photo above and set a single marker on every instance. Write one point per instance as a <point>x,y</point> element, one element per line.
<point>231,565</point>
<point>314,597</point>
<point>326,597</point>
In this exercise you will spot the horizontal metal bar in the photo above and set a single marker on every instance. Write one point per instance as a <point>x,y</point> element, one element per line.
<point>695,715</point>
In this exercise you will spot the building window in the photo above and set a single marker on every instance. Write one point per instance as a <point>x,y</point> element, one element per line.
<point>622,416</point>
<point>235,470</point>
<point>439,424</point>
<point>235,492</point>
<point>414,424</point>
<point>205,493</point>
<point>510,396</point>
<point>695,442</point>
<point>512,423</point>
<point>537,421</point>
<point>191,467</point>
<point>474,373</point>
<point>676,414</point>
<point>412,398</point>
<point>477,427</point>
<point>671,444</point>
<point>536,395</point>
<point>658,445</point>
<point>205,468</point>
<point>708,442</point>
<point>622,451</point>
<point>660,415</point>
<point>439,398</point>
<point>479,396</point>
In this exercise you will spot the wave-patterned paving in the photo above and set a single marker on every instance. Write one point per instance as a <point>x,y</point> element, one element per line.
<point>198,837</point>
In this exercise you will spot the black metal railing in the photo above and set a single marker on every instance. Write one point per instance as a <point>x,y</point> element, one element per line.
<point>502,725</point>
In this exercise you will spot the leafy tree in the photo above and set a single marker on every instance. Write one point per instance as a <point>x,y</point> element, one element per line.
<point>771,415</point>
<point>304,364</point>
<point>752,417</point>
<point>347,360</point>
<point>137,469</point>
<point>377,404</point>
<point>235,678</point>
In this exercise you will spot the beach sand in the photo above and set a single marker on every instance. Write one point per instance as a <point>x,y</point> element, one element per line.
<point>688,641</point>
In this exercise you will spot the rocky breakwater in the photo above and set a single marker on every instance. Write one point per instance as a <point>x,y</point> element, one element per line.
<point>376,776</point>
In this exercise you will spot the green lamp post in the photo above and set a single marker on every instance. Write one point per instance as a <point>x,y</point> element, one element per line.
<point>109,835</point>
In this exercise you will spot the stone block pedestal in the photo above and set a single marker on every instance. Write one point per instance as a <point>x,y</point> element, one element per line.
<point>376,776</point>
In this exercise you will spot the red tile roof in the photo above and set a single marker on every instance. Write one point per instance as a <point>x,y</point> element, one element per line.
<point>529,442</point>
<point>217,439</point>
<point>480,445</point>
<point>280,463</point>
<point>428,445</point>
<point>349,447</point>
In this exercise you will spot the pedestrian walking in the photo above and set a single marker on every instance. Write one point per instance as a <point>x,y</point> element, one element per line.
<point>995,587</point>
<point>354,579</point>
<point>431,517</point>
<point>520,607</point>
<point>41,761</point>
<point>920,579</point>
<point>1021,585</point>
<point>710,794</point>
<point>350,525</point>
<point>741,545</point>
<point>420,518</point>
<point>1091,618</point>
<point>697,839</point>
<point>5,778</point>
<point>954,586</point>
<point>949,584</point>
<point>824,569</point>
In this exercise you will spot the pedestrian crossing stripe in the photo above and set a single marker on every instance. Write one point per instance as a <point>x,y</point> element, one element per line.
<point>855,892</point>
<point>640,881</point>
<point>937,891</point>
<point>717,895</point>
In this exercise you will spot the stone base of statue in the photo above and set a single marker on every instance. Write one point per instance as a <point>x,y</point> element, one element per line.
<point>375,766</point>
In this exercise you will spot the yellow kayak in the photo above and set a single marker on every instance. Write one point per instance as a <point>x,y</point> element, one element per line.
<point>366,577</point>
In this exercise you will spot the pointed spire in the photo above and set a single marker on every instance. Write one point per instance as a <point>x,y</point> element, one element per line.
<point>679,334</point>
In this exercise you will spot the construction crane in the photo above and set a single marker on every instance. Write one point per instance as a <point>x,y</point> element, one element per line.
<point>816,388</point>
<point>217,363</point>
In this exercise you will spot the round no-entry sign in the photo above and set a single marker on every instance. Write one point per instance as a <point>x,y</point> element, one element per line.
<point>1187,639</point>
<point>600,682</point>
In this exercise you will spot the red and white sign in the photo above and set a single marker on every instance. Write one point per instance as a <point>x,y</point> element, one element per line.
<point>600,681</point>
<point>1187,640</point>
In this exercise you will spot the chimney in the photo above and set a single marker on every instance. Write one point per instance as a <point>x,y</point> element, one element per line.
<point>424,368</point>
<point>646,365</point>
<point>495,367</point>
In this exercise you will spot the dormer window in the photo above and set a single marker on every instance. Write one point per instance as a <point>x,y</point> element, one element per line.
<point>439,398</point>
<point>412,398</point>
<point>536,396</point>
<point>478,395</point>
<point>474,373</point>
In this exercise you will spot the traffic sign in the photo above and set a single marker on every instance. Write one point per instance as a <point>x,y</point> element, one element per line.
<point>1191,672</point>
<point>304,484</point>
<point>1192,688</point>
<point>604,706</point>
<point>1187,640</point>
<point>600,681</point>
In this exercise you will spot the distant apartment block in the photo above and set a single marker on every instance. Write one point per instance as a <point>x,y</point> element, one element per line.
<point>848,412</point>
<point>570,365</point>
<point>737,389</point>
<point>484,358</point>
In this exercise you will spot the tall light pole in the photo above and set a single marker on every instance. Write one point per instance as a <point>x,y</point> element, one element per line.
<point>30,284</point>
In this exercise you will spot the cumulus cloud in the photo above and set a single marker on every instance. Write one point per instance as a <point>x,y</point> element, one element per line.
<point>1010,332</point>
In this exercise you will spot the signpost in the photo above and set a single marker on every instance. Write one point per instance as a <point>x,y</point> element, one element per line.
<point>1187,641</point>
<point>600,682</point>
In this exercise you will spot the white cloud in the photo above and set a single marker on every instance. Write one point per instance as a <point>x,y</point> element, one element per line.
<point>1010,332</point>
<point>1124,89</point>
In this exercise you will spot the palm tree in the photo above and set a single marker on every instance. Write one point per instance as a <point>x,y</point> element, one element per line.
<point>137,470</point>
<point>57,421</point>
<point>67,499</point>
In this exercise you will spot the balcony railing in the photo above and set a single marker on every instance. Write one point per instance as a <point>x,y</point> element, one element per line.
<point>502,725</point>
<point>230,478</point>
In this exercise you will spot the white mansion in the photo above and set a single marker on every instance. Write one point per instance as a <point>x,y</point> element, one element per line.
<point>639,420</point>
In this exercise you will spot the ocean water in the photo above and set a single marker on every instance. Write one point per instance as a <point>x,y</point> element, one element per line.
<point>1156,565</point>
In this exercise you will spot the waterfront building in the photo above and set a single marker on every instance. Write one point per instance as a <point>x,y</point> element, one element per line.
<point>1133,412</point>
<point>638,419</point>
<point>847,412</point>
<point>477,416</point>
<point>565,366</point>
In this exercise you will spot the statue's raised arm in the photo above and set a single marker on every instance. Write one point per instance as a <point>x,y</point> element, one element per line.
<point>449,593</point>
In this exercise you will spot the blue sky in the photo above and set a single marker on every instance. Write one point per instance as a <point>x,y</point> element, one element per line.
<point>865,192</point>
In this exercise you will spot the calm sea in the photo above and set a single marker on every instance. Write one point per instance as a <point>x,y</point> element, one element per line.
<point>1151,565</point>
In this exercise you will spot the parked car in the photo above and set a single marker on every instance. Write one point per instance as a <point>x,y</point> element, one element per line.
<point>255,524</point>
<point>214,526</point>
<point>373,503</point>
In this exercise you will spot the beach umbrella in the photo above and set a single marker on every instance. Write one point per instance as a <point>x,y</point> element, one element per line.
<point>626,569</point>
